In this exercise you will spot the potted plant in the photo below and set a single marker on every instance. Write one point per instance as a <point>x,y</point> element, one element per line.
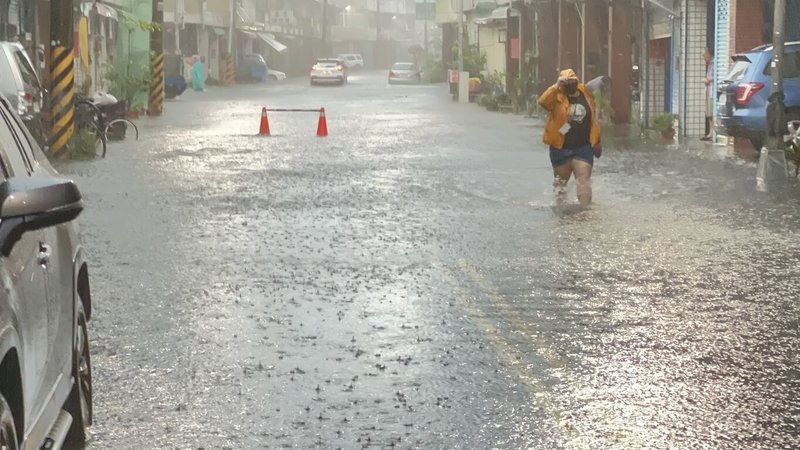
<point>665,123</point>
<point>127,85</point>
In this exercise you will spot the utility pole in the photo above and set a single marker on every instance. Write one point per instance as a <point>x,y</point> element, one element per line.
<point>155,106</point>
<point>62,76</point>
<point>426,28</point>
<point>775,108</point>
<point>776,96</point>
<point>325,26</point>
<point>460,37</point>
<point>378,49</point>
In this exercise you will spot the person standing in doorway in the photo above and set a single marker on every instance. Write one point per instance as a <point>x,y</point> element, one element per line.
<point>708,57</point>
<point>573,134</point>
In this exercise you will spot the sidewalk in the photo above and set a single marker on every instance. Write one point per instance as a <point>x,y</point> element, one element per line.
<point>625,136</point>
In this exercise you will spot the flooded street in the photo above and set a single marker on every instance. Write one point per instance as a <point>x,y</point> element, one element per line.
<point>407,283</point>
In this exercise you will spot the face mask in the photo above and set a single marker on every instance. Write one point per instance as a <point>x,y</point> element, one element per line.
<point>571,88</point>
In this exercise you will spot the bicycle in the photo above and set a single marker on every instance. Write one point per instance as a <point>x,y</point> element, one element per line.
<point>88,117</point>
<point>94,118</point>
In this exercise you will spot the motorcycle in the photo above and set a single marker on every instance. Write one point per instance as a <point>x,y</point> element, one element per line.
<point>793,145</point>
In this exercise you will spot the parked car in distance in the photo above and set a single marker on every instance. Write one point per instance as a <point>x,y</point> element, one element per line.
<point>275,75</point>
<point>352,60</point>
<point>45,300</point>
<point>20,84</point>
<point>328,70</point>
<point>743,94</point>
<point>404,72</point>
<point>254,68</point>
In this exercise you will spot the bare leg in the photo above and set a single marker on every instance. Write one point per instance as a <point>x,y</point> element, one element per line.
<point>562,175</point>
<point>583,175</point>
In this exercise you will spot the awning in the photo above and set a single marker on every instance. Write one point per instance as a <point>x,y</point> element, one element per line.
<point>106,11</point>
<point>498,14</point>
<point>270,39</point>
<point>102,9</point>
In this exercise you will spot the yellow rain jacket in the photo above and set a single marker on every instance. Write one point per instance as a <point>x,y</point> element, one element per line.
<point>556,103</point>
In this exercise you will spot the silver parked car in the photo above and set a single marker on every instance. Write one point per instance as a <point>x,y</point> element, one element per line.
<point>45,300</point>
<point>404,72</point>
<point>20,84</point>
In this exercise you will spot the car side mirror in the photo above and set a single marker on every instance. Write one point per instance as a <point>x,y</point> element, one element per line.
<point>33,203</point>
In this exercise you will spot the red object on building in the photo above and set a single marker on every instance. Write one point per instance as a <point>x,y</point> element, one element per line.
<point>514,48</point>
<point>657,48</point>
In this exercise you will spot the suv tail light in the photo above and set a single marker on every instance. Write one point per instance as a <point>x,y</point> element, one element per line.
<point>314,67</point>
<point>339,67</point>
<point>391,73</point>
<point>746,91</point>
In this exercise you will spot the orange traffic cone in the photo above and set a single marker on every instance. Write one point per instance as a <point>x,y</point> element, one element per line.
<point>322,127</point>
<point>263,130</point>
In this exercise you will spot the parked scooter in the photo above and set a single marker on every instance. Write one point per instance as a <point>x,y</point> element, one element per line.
<point>174,81</point>
<point>793,145</point>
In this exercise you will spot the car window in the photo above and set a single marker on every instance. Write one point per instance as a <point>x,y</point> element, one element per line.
<point>791,65</point>
<point>10,146</point>
<point>328,63</point>
<point>738,70</point>
<point>403,66</point>
<point>25,139</point>
<point>28,74</point>
<point>8,84</point>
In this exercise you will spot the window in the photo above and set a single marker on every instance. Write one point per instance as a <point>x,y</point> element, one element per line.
<point>791,65</point>
<point>25,140</point>
<point>10,147</point>
<point>28,74</point>
<point>737,70</point>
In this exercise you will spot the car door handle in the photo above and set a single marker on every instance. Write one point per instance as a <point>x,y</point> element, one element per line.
<point>43,257</point>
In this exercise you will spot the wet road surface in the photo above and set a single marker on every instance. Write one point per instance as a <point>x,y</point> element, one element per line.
<point>407,283</point>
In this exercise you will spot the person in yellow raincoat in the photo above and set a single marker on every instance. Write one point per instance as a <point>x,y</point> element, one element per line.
<point>573,134</point>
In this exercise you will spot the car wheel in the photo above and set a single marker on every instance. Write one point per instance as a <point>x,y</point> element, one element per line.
<point>8,431</point>
<point>79,403</point>
<point>273,78</point>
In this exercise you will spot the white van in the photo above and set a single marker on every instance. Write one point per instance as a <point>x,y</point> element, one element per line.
<point>352,60</point>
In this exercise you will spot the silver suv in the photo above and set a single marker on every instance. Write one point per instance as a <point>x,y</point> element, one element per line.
<point>45,302</point>
<point>21,86</point>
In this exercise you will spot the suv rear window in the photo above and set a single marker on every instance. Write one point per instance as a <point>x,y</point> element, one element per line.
<point>791,65</point>
<point>738,70</point>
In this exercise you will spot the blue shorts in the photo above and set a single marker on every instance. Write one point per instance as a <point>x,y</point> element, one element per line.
<point>561,157</point>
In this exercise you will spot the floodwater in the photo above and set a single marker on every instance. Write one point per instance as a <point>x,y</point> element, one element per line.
<point>407,283</point>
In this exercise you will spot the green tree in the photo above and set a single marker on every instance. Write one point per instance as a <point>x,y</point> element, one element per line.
<point>474,61</point>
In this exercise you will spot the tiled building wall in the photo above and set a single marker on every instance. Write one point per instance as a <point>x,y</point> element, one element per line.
<point>655,88</point>
<point>693,103</point>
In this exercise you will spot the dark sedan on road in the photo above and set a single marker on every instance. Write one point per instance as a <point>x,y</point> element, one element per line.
<point>45,304</point>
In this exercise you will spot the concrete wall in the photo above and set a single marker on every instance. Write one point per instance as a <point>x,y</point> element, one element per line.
<point>495,51</point>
